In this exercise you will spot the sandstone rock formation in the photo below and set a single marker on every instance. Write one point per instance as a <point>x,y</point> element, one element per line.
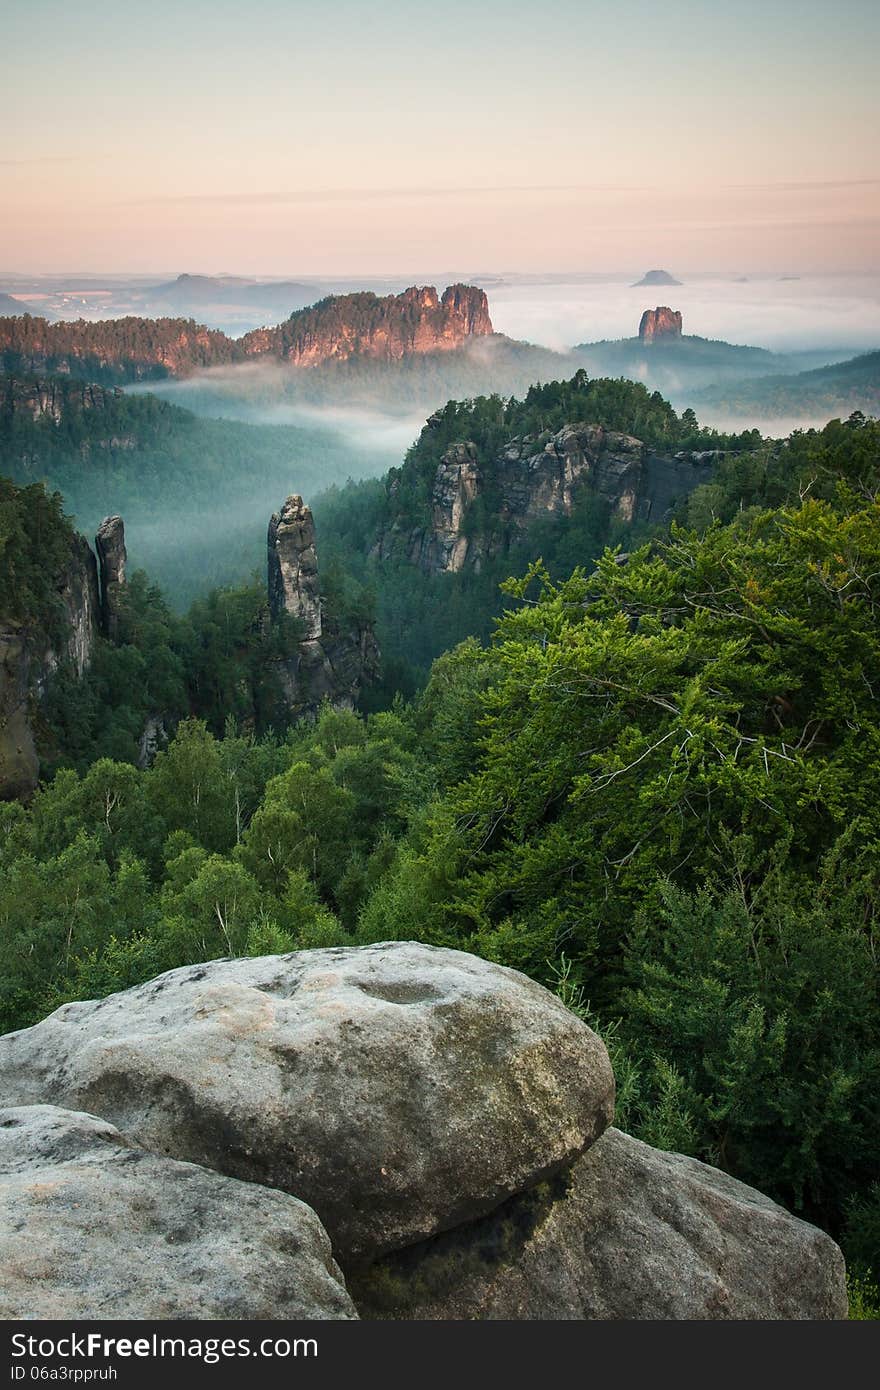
<point>659,325</point>
<point>28,659</point>
<point>628,1232</point>
<point>398,1089</point>
<point>91,1226</point>
<point>293,567</point>
<point>51,398</point>
<point>112,556</point>
<point>333,656</point>
<point>366,325</point>
<point>444,1117</point>
<point>528,481</point>
<point>338,327</point>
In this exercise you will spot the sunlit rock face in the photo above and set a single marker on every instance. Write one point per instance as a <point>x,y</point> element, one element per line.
<point>658,324</point>
<point>366,325</point>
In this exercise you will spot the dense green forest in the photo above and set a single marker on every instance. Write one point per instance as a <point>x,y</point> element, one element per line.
<point>840,388</point>
<point>653,787</point>
<point>420,616</point>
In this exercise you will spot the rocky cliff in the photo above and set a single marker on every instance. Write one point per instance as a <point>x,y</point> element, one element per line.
<point>112,557</point>
<point>659,325</point>
<point>86,595</point>
<point>365,325</point>
<point>29,657</point>
<point>341,326</point>
<point>458,1164</point>
<point>330,657</point>
<point>51,398</point>
<point>529,480</point>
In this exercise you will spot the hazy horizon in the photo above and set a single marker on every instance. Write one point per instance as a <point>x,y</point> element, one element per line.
<point>570,138</point>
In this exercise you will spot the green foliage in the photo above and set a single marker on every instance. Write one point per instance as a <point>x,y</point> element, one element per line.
<point>36,548</point>
<point>195,493</point>
<point>864,1299</point>
<point>657,790</point>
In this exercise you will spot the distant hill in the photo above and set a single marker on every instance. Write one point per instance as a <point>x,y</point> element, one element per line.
<point>835,390</point>
<point>386,327</point>
<point>8,305</point>
<point>656,277</point>
<point>414,350</point>
<point>680,364</point>
<point>232,300</point>
<point>335,329</point>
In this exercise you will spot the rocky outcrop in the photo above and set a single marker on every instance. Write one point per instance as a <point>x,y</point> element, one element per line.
<point>446,1119</point>
<point>293,567</point>
<point>628,1232</point>
<point>112,556</point>
<point>530,480</point>
<point>51,398</point>
<point>398,1089</point>
<point>366,325</point>
<point>331,656</point>
<point>337,328</point>
<point>29,658</point>
<point>659,325</point>
<point>92,1226</point>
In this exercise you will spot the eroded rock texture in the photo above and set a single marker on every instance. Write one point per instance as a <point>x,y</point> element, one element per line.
<point>112,556</point>
<point>627,1233</point>
<point>29,658</point>
<point>332,656</point>
<point>92,1226</point>
<point>659,324</point>
<point>529,481</point>
<point>398,1089</point>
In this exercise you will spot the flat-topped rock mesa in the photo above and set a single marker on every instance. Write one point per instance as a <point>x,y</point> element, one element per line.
<point>396,1130</point>
<point>366,325</point>
<point>88,594</point>
<point>531,480</point>
<point>331,655</point>
<point>656,277</point>
<point>660,325</point>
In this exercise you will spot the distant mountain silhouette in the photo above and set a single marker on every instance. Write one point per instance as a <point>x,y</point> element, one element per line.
<point>657,277</point>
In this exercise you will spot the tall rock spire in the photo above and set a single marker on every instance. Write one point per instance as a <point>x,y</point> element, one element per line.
<point>110,545</point>
<point>293,567</point>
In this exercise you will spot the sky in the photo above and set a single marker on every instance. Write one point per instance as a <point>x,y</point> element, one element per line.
<point>287,138</point>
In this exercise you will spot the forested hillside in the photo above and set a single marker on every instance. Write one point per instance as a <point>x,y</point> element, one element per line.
<point>419,614</point>
<point>655,788</point>
<point>840,388</point>
<point>195,492</point>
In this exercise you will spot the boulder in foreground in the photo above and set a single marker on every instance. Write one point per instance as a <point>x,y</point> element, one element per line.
<point>628,1233</point>
<point>398,1089</point>
<point>91,1226</point>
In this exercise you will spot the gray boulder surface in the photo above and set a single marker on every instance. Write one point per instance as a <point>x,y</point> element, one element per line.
<point>629,1232</point>
<point>91,1226</point>
<point>398,1089</point>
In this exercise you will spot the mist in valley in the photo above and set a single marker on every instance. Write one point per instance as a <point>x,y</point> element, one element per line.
<point>321,427</point>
